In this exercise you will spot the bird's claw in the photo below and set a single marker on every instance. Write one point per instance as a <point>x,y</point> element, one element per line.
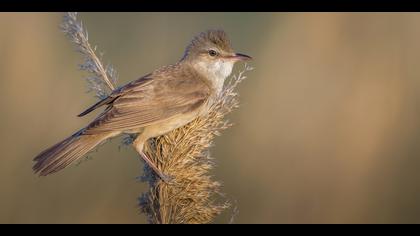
<point>165,178</point>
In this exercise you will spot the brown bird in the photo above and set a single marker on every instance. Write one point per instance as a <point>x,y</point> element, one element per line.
<point>168,98</point>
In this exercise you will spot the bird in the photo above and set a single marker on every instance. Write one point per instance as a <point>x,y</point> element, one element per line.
<point>153,105</point>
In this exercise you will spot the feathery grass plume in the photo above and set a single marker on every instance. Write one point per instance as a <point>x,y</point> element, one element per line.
<point>103,79</point>
<point>183,154</point>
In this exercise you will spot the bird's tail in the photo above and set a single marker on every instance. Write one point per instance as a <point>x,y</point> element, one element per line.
<point>67,151</point>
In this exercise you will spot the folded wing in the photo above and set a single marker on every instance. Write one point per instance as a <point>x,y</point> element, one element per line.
<point>140,104</point>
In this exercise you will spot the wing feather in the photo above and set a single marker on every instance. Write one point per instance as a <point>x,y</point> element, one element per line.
<point>141,104</point>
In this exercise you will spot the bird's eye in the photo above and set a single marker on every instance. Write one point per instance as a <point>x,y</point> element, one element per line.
<point>212,53</point>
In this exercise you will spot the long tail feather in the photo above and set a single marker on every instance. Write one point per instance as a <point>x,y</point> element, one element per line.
<point>67,151</point>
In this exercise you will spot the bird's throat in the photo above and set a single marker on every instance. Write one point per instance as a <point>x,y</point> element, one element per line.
<point>216,72</point>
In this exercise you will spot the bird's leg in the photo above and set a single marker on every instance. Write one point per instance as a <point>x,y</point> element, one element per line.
<point>164,177</point>
<point>138,144</point>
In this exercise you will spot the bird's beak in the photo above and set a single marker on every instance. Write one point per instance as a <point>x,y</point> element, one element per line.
<point>239,57</point>
<point>242,57</point>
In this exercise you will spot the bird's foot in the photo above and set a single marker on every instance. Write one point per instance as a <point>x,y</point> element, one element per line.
<point>165,178</point>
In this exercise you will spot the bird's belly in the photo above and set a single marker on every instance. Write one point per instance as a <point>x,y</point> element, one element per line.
<point>169,125</point>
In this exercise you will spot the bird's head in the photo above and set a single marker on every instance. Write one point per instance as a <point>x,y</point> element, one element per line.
<point>212,55</point>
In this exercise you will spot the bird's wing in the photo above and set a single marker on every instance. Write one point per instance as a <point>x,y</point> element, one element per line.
<point>140,104</point>
<point>116,93</point>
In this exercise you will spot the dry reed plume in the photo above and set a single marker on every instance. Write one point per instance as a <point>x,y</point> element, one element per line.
<point>103,79</point>
<point>191,196</point>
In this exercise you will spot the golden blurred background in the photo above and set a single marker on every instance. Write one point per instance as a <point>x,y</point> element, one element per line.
<point>327,131</point>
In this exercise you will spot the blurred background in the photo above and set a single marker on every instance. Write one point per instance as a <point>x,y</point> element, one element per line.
<point>327,131</point>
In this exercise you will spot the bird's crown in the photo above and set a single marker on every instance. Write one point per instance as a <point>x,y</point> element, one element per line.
<point>209,39</point>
